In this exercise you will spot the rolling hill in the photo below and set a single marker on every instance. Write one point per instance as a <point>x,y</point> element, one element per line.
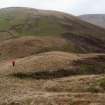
<point>20,22</point>
<point>96,19</point>
<point>28,21</point>
<point>26,46</point>
<point>29,45</point>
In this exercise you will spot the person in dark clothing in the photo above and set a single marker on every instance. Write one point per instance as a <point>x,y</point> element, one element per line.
<point>13,63</point>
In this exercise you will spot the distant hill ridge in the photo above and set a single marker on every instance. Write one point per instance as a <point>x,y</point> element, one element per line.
<point>96,19</point>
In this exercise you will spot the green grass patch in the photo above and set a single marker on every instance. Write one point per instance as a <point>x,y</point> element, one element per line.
<point>69,47</point>
<point>85,68</point>
<point>97,86</point>
<point>101,83</point>
<point>93,88</point>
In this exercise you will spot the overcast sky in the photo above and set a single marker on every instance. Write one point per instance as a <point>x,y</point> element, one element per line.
<point>76,7</point>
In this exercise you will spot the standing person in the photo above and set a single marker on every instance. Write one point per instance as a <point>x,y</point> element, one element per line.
<point>13,63</point>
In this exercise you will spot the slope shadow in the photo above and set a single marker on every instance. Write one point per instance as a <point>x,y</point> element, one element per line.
<point>45,74</point>
<point>58,74</point>
<point>85,43</point>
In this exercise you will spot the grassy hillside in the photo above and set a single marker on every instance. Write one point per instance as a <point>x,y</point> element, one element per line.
<point>27,21</point>
<point>53,78</point>
<point>17,22</point>
<point>25,46</point>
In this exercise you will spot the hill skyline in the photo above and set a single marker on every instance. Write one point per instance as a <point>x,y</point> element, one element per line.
<point>96,19</point>
<point>75,7</point>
